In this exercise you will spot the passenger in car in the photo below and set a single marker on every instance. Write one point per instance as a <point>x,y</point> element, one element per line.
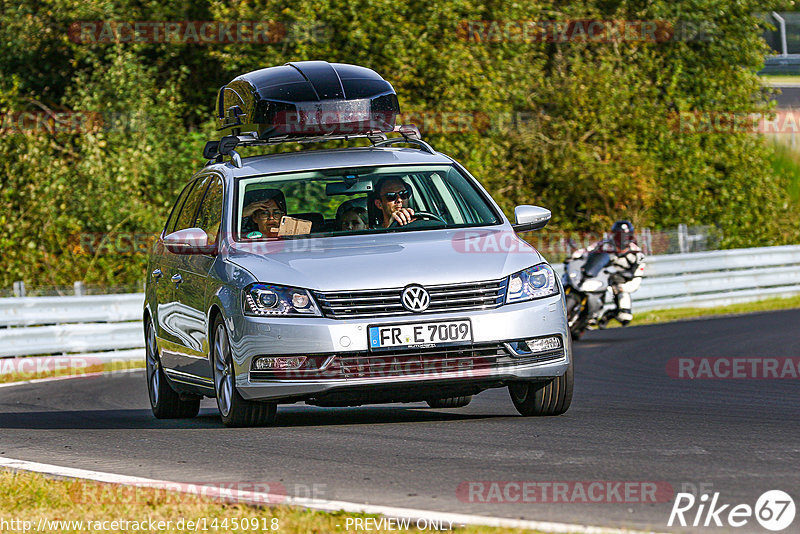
<point>262,213</point>
<point>392,201</point>
<point>351,217</point>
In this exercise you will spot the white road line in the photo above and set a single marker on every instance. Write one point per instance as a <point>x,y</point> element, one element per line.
<point>260,498</point>
<point>67,377</point>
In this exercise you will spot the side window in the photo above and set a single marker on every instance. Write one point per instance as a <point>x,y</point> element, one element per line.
<point>210,215</point>
<point>176,209</point>
<point>189,210</point>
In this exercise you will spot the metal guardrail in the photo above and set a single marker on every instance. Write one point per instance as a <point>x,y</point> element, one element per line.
<point>64,325</point>
<point>719,278</point>
<point>47,325</point>
<point>28,311</point>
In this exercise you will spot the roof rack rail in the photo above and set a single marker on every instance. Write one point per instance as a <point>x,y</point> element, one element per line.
<point>214,150</point>
<point>409,133</point>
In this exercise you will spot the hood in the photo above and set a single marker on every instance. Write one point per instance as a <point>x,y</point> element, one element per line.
<point>388,260</point>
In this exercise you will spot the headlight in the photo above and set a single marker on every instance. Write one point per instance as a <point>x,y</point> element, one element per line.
<point>535,283</point>
<point>268,299</point>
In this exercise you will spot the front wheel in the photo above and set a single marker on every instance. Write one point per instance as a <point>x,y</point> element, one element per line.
<point>235,410</point>
<point>165,402</point>
<point>551,397</point>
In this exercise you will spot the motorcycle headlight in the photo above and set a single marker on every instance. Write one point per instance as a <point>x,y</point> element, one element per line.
<point>269,300</point>
<point>536,282</point>
<point>590,286</point>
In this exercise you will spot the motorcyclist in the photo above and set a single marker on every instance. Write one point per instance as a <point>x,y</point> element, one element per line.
<point>628,259</point>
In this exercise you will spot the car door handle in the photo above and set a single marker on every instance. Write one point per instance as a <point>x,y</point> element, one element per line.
<point>156,275</point>
<point>177,278</point>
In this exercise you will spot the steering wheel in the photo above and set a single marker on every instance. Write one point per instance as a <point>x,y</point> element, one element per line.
<point>422,215</point>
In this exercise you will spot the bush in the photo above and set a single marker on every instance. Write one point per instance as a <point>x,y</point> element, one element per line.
<point>598,141</point>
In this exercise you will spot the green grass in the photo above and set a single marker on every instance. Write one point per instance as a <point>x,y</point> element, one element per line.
<point>30,497</point>
<point>117,365</point>
<point>786,163</point>
<point>680,314</point>
<point>780,78</point>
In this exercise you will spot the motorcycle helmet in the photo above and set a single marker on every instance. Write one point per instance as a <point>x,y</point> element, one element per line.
<point>622,234</point>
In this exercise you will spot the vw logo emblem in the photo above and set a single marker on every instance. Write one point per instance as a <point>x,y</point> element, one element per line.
<point>415,299</point>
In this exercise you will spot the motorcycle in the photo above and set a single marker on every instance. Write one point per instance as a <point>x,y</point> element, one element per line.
<point>586,281</point>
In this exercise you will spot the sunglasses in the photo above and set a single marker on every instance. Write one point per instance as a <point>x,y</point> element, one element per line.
<point>405,194</point>
<point>276,214</point>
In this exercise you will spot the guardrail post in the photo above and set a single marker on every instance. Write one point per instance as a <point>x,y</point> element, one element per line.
<point>19,289</point>
<point>646,238</point>
<point>683,235</point>
<point>79,288</point>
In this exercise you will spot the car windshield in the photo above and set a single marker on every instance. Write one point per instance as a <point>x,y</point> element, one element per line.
<point>333,202</point>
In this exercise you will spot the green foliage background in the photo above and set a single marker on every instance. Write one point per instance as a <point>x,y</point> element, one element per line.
<point>601,143</point>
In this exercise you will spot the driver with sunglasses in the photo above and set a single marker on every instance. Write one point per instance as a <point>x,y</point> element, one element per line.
<point>392,201</point>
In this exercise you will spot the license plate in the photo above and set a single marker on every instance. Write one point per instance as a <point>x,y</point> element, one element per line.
<point>420,335</point>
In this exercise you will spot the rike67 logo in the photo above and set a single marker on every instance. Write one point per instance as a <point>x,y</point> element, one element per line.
<point>774,510</point>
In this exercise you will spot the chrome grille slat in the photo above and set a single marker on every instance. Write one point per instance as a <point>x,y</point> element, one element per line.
<point>479,300</point>
<point>334,300</point>
<point>464,292</point>
<point>501,281</point>
<point>463,296</point>
<point>391,290</point>
<point>344,307</point>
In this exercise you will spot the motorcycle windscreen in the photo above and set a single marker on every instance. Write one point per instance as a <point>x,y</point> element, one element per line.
<point>595,263</point>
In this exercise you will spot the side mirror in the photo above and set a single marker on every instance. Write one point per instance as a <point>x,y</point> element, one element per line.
<point>189,241</point>
<point>530,218</point>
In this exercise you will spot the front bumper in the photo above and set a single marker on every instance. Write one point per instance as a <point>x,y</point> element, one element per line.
<point>488,362</point>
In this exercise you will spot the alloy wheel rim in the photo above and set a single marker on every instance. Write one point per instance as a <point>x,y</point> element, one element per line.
<point>153,378</point>
<point>223,371</point>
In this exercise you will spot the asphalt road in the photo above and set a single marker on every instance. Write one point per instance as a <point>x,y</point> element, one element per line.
<point>789,97</point>
<point>629,421</point>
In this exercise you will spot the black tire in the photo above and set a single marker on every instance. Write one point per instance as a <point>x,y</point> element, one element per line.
<point>165,402</point>
<point>450,402</point>
<point>573,307</point>
<point>543,398</point>
<point>234,410</point>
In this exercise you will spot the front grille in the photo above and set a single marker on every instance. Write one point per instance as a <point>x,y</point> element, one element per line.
<point>469,361</point>
<point>383,302</point>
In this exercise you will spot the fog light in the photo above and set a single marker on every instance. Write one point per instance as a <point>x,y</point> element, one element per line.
<point>543,344</point>
<point>280,362</point>
<point>536,345</point>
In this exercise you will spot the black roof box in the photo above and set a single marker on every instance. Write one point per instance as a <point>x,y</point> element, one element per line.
<point>306,99</point>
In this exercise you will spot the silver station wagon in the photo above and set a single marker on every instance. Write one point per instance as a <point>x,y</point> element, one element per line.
<point>371,274</point>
